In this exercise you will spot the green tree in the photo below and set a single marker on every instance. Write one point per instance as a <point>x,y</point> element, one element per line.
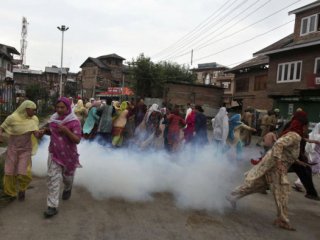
<point>148,78</point>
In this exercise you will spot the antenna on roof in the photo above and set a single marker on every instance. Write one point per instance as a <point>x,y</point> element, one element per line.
<point>23,41</point>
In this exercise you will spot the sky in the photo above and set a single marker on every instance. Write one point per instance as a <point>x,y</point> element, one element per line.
<point>224,31</point>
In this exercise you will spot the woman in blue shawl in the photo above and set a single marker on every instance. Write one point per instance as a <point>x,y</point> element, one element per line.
<point>234,135</point>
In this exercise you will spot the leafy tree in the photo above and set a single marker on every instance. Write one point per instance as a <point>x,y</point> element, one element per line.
<point>148,78</point>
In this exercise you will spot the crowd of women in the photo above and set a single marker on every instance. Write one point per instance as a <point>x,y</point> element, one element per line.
<point>129,124</point>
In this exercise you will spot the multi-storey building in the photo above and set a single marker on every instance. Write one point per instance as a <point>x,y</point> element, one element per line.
<point>215,74</point>
<point>102,72</point>
<point>294,65</point>
<point>251,84</point>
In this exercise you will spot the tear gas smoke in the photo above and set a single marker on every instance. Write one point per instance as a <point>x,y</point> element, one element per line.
<point>198,178</point>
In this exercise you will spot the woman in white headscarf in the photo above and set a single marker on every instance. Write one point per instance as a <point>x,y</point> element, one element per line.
<point>152,122</point>
<point>313,149</point>
<point>220,125</point>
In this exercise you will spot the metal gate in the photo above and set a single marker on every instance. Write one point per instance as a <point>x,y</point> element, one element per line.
<point>7,99</point>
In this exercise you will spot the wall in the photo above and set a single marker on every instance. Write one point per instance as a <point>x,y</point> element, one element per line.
<point>181,94</point>
<point>307,55</point>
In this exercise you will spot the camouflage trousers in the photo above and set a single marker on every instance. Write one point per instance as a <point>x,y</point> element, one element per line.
<point>278,184</point>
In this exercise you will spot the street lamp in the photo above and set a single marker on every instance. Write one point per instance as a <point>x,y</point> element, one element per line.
<point>63,28</point>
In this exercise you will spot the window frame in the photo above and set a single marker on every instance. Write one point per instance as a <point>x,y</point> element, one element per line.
<point>315,65</point>
<point>295,71</point>
<point>308,19</point>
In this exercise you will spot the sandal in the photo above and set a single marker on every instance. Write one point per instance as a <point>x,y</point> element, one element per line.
<point>281,224</point>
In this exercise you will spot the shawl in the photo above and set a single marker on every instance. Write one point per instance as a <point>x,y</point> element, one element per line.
<point>153,108</point>
<point>234,122</point>
<point>78,109</point>
<point>19,122</point>
<point>64,152</point>
<point>314,135</point>
<point>220,125</point>
<point>296,124</point>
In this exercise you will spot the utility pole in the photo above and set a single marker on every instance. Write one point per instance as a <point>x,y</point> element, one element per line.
<point>63,28</point>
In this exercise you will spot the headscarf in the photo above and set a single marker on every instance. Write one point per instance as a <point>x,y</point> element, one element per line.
<point>67,117</point>
<point>79,106</point>
<point>296,124</point>
<point>154,108</point>
<point>314,135</point>
<point>19,122</point>
<point>116,105</point>
<point>234,121</point>
<point>220,124</point>
<point>123,106</point>
<point>88,105</point>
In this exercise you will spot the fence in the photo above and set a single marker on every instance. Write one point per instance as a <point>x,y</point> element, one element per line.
<point>7,99</point>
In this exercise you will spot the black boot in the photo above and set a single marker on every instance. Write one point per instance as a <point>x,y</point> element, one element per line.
<point>50,212</point>
<point>66,194</point>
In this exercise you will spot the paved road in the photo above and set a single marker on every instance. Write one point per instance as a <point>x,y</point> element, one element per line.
<point>83,217</point>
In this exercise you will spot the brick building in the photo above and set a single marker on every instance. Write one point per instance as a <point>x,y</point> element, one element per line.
<point>102,72</point>
<point>215,74</point>
<point>294,65</point>
<point>251,84</point>
<point>208,96</point>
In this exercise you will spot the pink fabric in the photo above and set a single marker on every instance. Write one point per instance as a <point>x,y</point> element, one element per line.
<point>18,154</point>
<point>63,150</point>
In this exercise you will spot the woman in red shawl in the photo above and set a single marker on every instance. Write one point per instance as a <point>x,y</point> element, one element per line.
<point>175,123</point>
<point>272,170</point>
<point>65,131</point>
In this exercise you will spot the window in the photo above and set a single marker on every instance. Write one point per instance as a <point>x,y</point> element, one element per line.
<point>242,85</point>
<point>289,72</point>
<point>317,66</point>
<point>260,82</point>
<point>226,85</point>
<point>309,24</point>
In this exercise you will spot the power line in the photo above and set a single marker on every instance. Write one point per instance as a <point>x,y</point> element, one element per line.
<point>248,40</point>
<point>208,27</point>
<point>240,30</point>
<point>242,12</point>
<point>195,29</point>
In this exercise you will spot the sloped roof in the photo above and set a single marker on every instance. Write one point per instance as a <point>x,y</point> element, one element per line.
<point>254,62</point>
<point>113,55</point>
<point>286,44</point>
<point>6,51</point>
<point>96,61</point>
<point>305,8</point>
<point>277,45</point>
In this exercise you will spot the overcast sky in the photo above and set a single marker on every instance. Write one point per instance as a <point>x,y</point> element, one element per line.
<point>161,29</point>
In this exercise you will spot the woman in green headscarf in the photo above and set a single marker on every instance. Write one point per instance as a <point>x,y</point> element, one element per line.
<point>119,124</point>
<point>22,126</point>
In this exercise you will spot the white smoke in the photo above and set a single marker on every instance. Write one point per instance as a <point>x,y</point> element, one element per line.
<point>198,178</point>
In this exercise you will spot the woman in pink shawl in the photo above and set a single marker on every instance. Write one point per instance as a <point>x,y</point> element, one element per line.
<point>65,131</point>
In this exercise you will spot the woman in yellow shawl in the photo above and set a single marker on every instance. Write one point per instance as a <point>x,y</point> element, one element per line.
<point>80,111</point>
<point>21,126</point>
<point>119,124</point>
